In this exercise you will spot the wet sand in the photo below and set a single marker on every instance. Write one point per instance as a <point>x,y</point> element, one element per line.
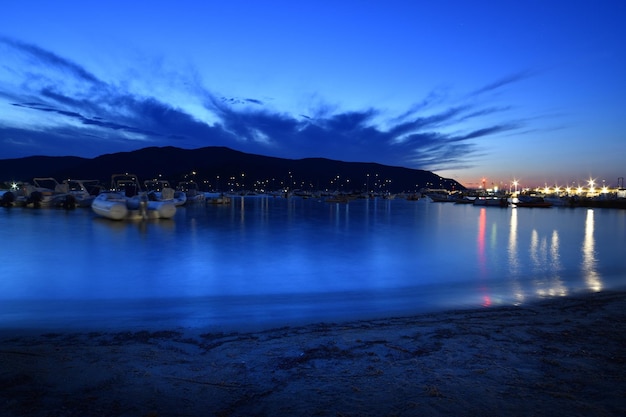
<point>559,357</point>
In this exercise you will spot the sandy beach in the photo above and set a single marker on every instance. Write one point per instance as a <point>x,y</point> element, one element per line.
<point>559,357</point>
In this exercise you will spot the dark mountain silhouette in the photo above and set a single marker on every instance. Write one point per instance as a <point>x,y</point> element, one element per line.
<point>226,169</point>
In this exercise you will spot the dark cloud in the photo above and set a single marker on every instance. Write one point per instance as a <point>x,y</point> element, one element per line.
<point>104,118</point>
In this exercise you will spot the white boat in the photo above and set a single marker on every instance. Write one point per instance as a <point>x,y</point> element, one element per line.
<point>45,192</point>
<point>116,206</point>
<point>126,201</point>
<point>440,197</point>
<point>160,190</point>
<point>84,191</point>
<point>491,201</point>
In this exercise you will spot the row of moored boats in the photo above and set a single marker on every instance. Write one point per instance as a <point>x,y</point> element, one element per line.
<point>527,199</point>
<point>125,199</point>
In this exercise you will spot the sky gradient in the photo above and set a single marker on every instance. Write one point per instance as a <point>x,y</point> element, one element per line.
<point>533,90</point>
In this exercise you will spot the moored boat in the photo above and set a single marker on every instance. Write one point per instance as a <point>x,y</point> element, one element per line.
<point>160,190</point>
<point>192,192</point>
<point>538,204</point>
<point>491,201</point>
<point>45,192</point>
<point>464,200</point>
<point>532,201</point>
<point>219,200</point>
<point>126,201</point>
<point>117,206</point>
<point>440,196</point>
<point>338,198</point>
<point>83,191</point>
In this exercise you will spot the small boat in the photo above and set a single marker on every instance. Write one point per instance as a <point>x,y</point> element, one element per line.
<point>116,206</point>
<point>83,191</point>
<point>538,204</point>
<point>160,190</point>
<point>192,192</point>
<point>491,201</point>
<point>45,192</point>
<point>338,198</point>
<point>563,201</point>
<point>7,199</point>
<point>219,200</point>
<point>126,201</point>
<point>463,200</point>
<point>441,197</point>
<point>532,201</point>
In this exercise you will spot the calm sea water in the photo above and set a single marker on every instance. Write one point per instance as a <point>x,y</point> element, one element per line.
<point>264,262</point>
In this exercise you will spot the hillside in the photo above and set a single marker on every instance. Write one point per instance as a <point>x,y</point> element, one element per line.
<point>226,169</point>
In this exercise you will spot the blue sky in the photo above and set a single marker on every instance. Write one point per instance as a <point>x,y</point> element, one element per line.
<point>531,90</point>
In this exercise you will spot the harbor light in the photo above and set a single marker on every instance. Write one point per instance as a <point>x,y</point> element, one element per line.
<point>591,183</point>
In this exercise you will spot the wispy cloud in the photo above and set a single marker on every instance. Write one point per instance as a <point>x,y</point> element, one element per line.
<point>93,114</point>
<point>40,57</point>
<point>509,79</point>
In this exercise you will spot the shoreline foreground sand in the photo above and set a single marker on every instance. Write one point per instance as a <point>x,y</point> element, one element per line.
<point>559,357</point>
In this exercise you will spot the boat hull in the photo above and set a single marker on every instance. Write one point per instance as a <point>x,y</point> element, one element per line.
<point>115,206</point>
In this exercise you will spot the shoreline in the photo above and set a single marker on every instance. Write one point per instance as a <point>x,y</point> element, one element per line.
<point>563,356</point>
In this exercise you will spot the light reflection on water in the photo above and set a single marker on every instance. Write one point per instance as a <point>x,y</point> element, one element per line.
<point>589,257</point>
<point>270,261</point>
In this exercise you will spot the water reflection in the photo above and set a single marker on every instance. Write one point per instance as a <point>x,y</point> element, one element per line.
<point>513,257</point>
<point>558,287</point>
<point>592,278</point>
<point>482,225</point>
<point>482,259</point>
<point>545,257</point>
<point>306,257</point>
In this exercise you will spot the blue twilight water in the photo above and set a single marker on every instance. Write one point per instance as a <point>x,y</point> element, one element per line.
<point>265,261</point>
